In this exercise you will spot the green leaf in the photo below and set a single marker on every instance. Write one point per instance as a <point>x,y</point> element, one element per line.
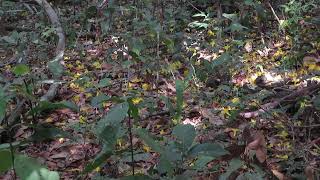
<point>21,69</point>
<point>202,162</point>
<point>136,177</point>
<point>9,40</point>
<point>234,165</point>
<point>99,160</point>
<point>207,149</point>
<point>104,82</point>
<point>316,102</point>
<point>113,118</point>
<point>6,160</point>
<point>55,68</point>
<point>144,135</point>
<point>185,134</point>
<point>98,100</point>
<point>3,104</point>
<point>224,58</point>
<point>29,169</point>
<point>236,27</point>
<point>43,132</point>
<point>71,105</point>
<point>232,17</point>
<point>165,166</point>
<point>46,106</point>
<point>179,103</point>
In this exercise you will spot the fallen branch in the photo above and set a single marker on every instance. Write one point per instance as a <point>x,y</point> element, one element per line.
<point>275,103</point>
<point>59,52</point>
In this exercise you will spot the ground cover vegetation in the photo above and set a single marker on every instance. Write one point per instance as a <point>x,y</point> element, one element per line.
<point>159,89</point>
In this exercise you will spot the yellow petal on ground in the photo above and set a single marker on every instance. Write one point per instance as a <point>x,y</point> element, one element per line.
<point>49,120</point>
<point>76,98</point>
<point>82,119</point>
<point>97,65</point>
<point>136,80</point>
<point>66,58</point>
<point>146,86</point>
<point>146,148</point>
<point>284,157</point>
<point>162,132</point>
<point>97,169</point>
<point>137,100</point>
<point>235,100</point>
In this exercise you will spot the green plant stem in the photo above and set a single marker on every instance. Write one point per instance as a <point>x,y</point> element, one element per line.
<point>131,142</point>
<point>11,150</point>
<point>29,102</point>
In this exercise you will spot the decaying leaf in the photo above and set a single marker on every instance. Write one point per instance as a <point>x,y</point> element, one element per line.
<point>258,144</point>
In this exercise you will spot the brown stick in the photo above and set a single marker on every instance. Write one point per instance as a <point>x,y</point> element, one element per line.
<point>271,105</point>
<point>59,52</point>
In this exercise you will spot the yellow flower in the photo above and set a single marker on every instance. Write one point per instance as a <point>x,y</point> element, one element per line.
<point>97,65</point>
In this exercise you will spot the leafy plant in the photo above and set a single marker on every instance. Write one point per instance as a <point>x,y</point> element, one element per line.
<point>176,154</point>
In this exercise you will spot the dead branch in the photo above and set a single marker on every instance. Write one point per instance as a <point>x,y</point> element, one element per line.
<point>275,103</point>
<point>59,52</point>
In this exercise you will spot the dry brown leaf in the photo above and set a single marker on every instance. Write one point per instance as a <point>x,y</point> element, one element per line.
<point>278,174</point>
<point>309,171</point>
<point>261,155</point>
<point>259,145</point>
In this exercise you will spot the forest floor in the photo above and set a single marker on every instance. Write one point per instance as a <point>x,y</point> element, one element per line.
<point>257,105</point>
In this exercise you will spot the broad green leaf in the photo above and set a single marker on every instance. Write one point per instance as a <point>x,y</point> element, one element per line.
<point>234,165</point>
<point>113,118</point>
<point>202,162</point>
<point>185,134</point>
<point>71,105</point>
<point>232,17</point>
<point>179,103</point>
<point>105,153</point>
<point>6,160</point>
<point>207,149</point>
<point>109,135</point>
<point>21,69</point>
<point>236,27</point>
<point>9,39</point>
<point>165,166</point>
<point>44,133</point>
<point>46,106</point>
<point>6,146</point>
<point>316,102</point>
<point>29,169</point>
<point>104,83</point>
<point>224,58</point>
<point>136,177</point>
<point>197,24</point>
<point>98,100</point>
<point>144,135</point>
<point>3,104</point>
<point>55,68</point>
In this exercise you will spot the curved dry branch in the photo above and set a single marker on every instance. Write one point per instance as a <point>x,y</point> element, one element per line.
<point>265,107</point>
<point>59,52</point>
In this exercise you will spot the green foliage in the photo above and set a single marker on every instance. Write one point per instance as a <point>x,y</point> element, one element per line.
<point>6,160</point>
<point>29,169</point>
<point>26,168</point>
<point>21,69</point>
<point>175,154</point>
<point>180,86</point>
